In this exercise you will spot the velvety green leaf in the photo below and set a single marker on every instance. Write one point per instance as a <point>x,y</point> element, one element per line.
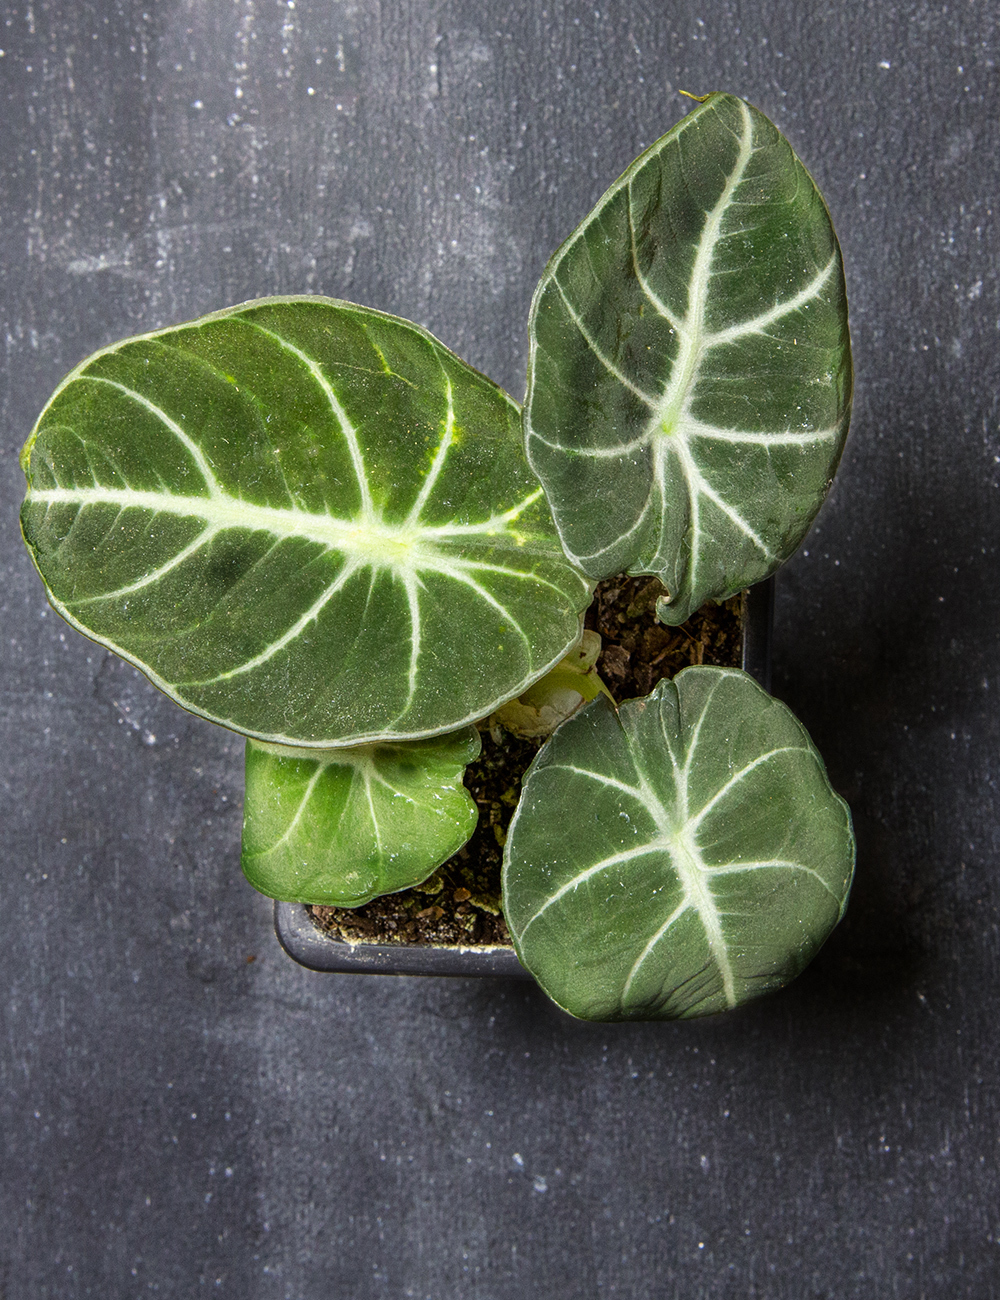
<point>342,826</point>
<point>305,520</point>
<point>690,371</point>
<point>678,857</point>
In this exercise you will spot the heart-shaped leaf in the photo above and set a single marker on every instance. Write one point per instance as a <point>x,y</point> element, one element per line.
<point>306,520</point>
<point>676,858</point>
<point>689,378</point>
<point>341,826</point>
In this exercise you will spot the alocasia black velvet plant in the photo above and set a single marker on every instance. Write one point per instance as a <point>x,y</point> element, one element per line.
<point>310,522</point>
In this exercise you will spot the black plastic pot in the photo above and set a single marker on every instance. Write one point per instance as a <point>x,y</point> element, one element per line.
<point>307,944</point>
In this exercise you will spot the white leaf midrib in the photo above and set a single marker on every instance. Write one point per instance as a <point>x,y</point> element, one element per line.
<point>370,538</point>
<point>677,839</point>
<point>672,428</point>
<point>366,538</point>
<point>684,371</point>
<point>406,551</point>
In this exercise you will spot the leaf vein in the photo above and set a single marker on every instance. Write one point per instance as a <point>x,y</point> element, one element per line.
<point>605,361</point>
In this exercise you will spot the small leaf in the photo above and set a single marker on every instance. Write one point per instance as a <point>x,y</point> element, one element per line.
<point>556,696</point>
<point>305,520</point>
<point>679,857</point>
<point>689,366</point>
<point>342,826</point>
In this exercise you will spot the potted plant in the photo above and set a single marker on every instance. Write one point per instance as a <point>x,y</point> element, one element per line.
<point>312,523</point>
<point>452,924</point>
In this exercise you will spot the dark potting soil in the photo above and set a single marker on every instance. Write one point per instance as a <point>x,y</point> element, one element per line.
<point>460,903</point>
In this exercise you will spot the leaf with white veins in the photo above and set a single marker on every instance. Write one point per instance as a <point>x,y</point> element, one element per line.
<point>341,826</point>
<point>689,378</point>
<point>681,856</point>
<point>305,520</point>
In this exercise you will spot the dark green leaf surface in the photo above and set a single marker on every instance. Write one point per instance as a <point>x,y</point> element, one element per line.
<point>305,520</point>
<point>342,826</point>
<point>689,370</point>
<point>676,858</point>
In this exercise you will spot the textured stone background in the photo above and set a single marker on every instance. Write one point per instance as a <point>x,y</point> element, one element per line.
<point>178,1119</point>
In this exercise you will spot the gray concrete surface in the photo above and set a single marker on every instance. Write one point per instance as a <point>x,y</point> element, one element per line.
<point>178,1119</point>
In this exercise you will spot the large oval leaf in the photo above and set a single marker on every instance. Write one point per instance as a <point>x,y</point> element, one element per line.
<point>305,520</point>
<point>690,362</point>
<point>342,826</point>
<point>676,858</point>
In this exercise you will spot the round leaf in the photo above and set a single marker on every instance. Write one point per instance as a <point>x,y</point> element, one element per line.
<point>305,520</point>
<point>690,363</point>
<point>342,826</point>
<point>678,857</point>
